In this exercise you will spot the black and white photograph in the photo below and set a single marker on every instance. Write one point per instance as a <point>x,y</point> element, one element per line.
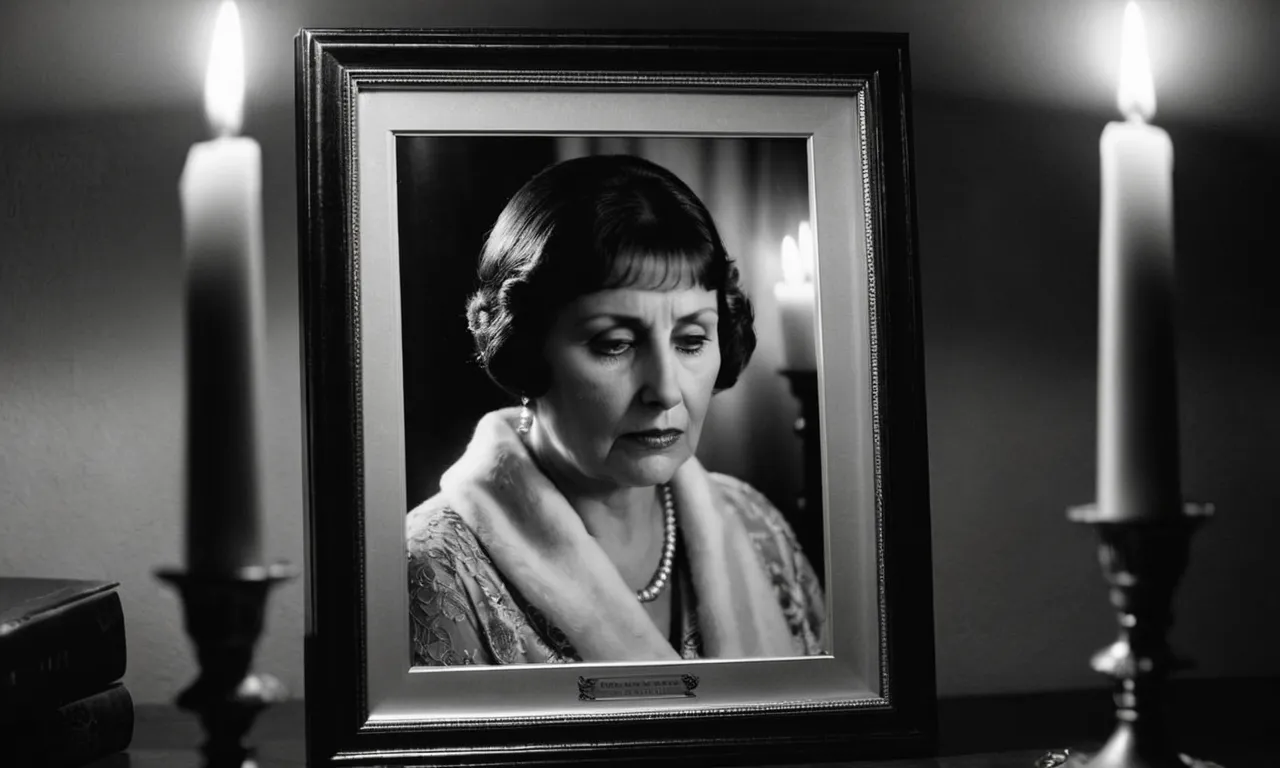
<point>630,352</point>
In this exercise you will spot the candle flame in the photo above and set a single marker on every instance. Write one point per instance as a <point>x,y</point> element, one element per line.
<point>1136,95</point>
<point>792,266</point>
<point>224,78</point>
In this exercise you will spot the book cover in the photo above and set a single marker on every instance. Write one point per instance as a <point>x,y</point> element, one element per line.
<point>73,734</point>
<point>60,640</point>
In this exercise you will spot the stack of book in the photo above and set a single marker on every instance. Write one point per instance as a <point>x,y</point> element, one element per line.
<point>62,657</point>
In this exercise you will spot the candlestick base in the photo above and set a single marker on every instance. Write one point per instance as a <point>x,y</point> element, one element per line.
<point>223,616</point>
<point>1067,758</point>
<point>808,520</point>
<point>1142,560</point>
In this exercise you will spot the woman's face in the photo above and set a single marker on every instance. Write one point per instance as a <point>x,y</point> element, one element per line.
<point>632,373</point>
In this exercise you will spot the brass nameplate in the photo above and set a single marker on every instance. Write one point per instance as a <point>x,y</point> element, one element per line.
<point>636,687</point>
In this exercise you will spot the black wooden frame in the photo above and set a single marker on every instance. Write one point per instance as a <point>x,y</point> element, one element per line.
<point>330,65</point>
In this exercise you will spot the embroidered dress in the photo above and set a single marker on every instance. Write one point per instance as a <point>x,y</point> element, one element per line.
<point>463,611</point>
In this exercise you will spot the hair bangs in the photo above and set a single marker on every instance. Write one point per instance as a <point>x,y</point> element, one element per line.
<point>657,269</point>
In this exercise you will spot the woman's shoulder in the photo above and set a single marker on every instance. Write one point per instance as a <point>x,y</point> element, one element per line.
<point>462,610</point>
<point>433,531</point>
<point>432,524</point>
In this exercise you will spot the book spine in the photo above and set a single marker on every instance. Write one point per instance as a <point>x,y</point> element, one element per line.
<point>64,657</point>
<point>77,732</point>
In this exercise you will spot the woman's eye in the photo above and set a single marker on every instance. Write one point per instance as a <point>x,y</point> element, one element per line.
<point>611,347</point>
<point>692,344</point>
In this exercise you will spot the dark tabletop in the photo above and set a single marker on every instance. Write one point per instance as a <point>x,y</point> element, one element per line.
<point>1233,723</point>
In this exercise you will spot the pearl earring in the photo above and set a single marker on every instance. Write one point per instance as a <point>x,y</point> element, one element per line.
<point>526,417</point>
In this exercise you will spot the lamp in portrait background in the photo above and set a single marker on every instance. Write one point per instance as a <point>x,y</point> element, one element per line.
<point>225,585</point>
<point>1143,526</point>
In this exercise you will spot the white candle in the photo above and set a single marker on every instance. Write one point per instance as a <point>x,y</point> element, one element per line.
<point>221,196</point>
<point>1138,477</point>
<point>795,300</point>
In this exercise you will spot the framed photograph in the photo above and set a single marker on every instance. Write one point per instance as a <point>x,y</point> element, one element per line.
<point>615,429</point>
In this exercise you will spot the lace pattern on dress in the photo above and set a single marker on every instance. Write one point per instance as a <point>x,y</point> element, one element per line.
<point>794,582</point>
<point>460,610</point>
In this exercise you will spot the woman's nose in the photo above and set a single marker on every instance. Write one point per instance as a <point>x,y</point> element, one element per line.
<point>661,386</point>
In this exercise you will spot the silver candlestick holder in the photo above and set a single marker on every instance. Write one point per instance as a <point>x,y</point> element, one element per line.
<point>1143,561</point>
<point>223,616</point>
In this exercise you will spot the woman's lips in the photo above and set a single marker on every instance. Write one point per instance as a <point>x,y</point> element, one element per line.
<point>655,439</point>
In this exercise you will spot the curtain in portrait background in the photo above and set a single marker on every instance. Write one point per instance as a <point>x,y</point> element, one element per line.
<point>450,189</point>
<point>757,190</point>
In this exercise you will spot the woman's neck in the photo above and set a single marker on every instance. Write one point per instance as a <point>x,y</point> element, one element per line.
<point>612,513</point>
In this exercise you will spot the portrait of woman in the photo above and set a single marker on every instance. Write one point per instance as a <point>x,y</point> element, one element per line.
<point>578,524</point>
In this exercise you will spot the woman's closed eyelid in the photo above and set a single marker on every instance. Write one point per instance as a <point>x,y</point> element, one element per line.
<point>614,337</point>
<point>612,344</point>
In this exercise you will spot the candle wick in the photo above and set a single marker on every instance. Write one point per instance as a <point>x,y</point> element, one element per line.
<point>222,129</point>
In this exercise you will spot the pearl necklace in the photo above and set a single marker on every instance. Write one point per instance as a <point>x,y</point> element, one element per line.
<point>660,578</point>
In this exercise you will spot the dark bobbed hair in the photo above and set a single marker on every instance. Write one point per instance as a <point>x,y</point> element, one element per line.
<point>589,224</point>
